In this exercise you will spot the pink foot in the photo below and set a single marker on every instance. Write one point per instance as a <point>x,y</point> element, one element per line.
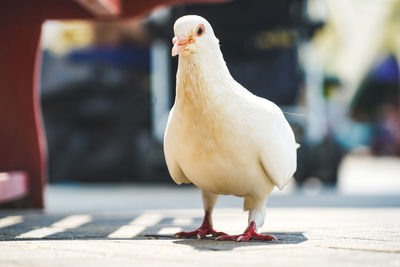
<point>249,234</point>
<point>204,230</point>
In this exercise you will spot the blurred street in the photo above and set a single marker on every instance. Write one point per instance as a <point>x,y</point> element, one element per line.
<point>131,224</point>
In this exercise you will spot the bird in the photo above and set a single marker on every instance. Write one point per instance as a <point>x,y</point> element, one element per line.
<point>220,136</point>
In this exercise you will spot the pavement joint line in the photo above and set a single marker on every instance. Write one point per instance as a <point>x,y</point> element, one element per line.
<point>67,223</point>
<point>368,249</point>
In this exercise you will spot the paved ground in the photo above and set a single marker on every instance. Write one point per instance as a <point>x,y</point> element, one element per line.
<point>132,225</point>
<point>311,233</point>
<point>307,237</point>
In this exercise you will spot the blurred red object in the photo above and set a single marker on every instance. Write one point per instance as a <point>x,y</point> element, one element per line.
<point>22,140</point>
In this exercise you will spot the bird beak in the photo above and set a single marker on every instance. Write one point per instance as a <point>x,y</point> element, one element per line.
<point>180,44</point>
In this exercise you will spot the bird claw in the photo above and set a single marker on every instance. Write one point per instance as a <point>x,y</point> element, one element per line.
<point>203,231</point>
<point>200,233</point>
<point>249,234</point>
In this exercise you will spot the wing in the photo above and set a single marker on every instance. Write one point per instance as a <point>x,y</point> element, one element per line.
<point>169,143</point>
<point>278,153</point>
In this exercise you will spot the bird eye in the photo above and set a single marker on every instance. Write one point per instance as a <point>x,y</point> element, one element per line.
<point>200,30</point>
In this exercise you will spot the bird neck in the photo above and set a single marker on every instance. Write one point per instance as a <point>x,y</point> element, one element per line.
<point>202,79</point>
<point>204,86</point>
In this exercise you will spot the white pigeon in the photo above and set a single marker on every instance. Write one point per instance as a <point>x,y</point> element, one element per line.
<point>221,137</point>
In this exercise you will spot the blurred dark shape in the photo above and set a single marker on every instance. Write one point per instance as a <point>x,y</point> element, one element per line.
<point>387,135</point>
<point>380,87</point>
<point>378,101</point>
<point>96,107</point>
<point>330,85</point>
<point>321,161</point>
<point>119,57</point>
<point>387,71</point>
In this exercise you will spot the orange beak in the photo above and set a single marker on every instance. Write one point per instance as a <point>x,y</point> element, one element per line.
<point>180,44</point>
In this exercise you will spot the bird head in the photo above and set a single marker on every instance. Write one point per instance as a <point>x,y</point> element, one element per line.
<point>193,34</point>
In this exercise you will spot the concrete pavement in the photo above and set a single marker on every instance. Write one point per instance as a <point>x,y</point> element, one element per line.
<point>308,235</point>
<point>132,225</point>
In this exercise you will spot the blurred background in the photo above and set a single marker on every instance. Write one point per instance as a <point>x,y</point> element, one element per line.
<point>331,65</point>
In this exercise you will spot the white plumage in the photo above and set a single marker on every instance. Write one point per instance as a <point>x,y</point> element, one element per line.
<point>220,136</point>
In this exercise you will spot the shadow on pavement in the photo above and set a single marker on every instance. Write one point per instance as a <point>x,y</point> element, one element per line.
<point>210,244</point>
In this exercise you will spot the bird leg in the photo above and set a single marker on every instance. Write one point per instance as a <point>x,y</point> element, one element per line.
<point>204,230</point>
<point>209,200</point>
<point>249,234</point>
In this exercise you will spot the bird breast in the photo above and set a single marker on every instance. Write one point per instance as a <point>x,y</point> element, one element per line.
<point>215,146</point>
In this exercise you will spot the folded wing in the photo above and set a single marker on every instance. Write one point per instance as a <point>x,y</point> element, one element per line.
<point>278,152</point>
